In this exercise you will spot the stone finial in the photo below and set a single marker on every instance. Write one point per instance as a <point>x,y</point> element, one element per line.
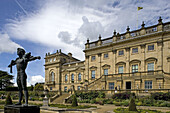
<point>128,29</point>
<point>143,24</point>
<point>70,54</point>
<point>160,20</point>
<point>114,33</point>
<point>100,37</point>
<point>87,40</point>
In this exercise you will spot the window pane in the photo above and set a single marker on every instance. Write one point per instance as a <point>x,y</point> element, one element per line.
<point>151,66</point>
<point>65,77</point>
<point>78,87</point>
<point>52,76</point>
<point>72,77</point>
<point>65,88</point>
<point>106,55</point>
<point>79,76</point>
<point>93,74</point>
<point>135,50</point>
<point>51,88</point>
<point>105,71</point>
<point>93,58</point>
<point>135,68</point>
<point>120,70</point>
<point>148,84</point>
<point>121,52</point>
<point>111,85</point>
<point>150,47</point>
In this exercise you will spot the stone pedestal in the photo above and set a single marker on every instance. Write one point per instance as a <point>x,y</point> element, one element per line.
<point>21,109</point>
<point>45,102</point>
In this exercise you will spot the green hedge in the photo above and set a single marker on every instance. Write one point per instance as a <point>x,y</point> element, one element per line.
<point>125,110</point>
<point>161,96</point>
<point>125,95</point>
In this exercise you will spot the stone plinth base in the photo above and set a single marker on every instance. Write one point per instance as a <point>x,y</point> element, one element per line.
<point>45,102</point>
<point>21,109</point>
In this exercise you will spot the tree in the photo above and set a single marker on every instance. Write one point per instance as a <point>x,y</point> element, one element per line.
<point>39,87</point>
<point>31,88</point>
<point>132,105</point>
<point>5,80</point>
<point>74,101</point>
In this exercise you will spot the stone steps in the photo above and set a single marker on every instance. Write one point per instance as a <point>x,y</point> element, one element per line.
<point>61,98</point>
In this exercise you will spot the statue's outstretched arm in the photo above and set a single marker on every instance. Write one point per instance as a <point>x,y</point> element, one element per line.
<point>11,64</point>
<point>34,58</point>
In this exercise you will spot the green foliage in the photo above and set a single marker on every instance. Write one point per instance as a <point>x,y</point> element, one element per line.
<point>90,95</point>
<point>8,100</point>
<point>39,87</point>
<point>5,80</point>
<point>161,96</point>
<point>11,88</point>
<point>84,101</point>
<point>99,101</point>
<point>126,110</point>
<point>125,103</point>
<point>2,102</point>
<point>93,101</point>
<point>1,107</point>
<point>125,95</point>
<point>108,101</point>
<point>132,105</point>
<point>165,104</point>
<point>74,101</point>
<point>30,88</point>
<point>101,94</point>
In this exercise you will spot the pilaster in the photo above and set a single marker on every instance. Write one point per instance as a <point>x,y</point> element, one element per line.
<point>127,60</point>
<point>142,57</point>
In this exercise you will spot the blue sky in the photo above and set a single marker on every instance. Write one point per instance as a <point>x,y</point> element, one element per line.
<point>41,26</point>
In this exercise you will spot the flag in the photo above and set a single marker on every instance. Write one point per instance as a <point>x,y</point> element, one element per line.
<point>139,8</point>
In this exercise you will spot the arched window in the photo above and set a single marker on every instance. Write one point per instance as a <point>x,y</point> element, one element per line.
<point>66,77</point>
<point>72,77</point>
<point>52,76</point>
<point>79,76</point>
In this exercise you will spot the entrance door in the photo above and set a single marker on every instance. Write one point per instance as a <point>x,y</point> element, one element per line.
<point>128,85</point>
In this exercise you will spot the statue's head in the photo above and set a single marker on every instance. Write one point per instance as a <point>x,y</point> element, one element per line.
<point>20,51</point>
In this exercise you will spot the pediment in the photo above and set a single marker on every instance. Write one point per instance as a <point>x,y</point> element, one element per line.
<point>106,66</point>
<point>93,67</point>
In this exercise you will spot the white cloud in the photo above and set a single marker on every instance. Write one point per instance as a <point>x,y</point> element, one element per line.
<point>34,79</point>
<point>59,24</point>
<point>6,44</point>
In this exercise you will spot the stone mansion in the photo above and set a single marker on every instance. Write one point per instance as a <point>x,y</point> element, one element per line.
<point>134,60</point>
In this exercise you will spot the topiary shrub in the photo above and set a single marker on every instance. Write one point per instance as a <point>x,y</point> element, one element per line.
<point>74,101</point>
<point>8,100</point>
<point>132,105</point>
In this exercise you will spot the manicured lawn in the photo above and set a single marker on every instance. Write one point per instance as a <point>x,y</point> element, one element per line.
<point>125,110</point>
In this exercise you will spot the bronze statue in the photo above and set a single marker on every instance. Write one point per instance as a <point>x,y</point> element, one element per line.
<point>21,64</point>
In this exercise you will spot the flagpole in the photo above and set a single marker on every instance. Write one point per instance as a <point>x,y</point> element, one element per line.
<point>137,21</point>
<point>139,8</point>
